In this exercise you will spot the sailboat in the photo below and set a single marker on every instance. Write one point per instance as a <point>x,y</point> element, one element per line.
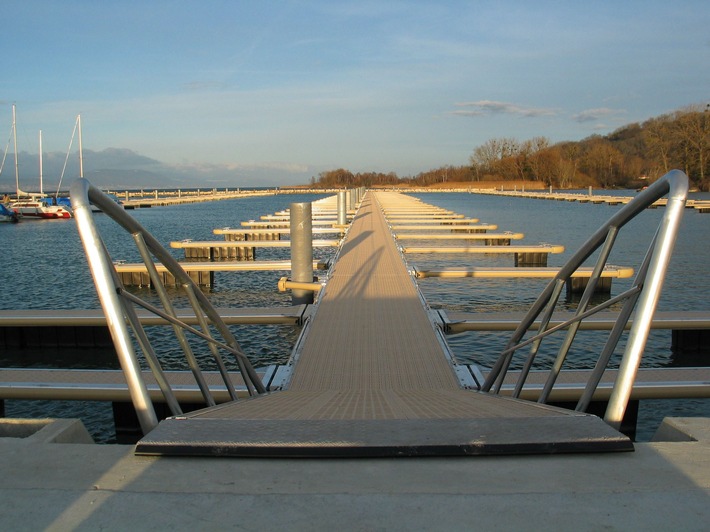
<point>6,213</point>
<point>34,206</point>
<point>66,200</point>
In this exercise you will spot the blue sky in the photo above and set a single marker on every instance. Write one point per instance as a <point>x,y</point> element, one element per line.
<point>285,90</point>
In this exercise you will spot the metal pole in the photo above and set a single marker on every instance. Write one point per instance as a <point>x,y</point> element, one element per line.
<point>101,268</point>
<point>342,210</point>
<point>301,251</point>
<point>665,240</point>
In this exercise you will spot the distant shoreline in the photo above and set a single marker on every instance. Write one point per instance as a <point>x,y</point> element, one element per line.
<point>214,193</point>
<point>454,186</point>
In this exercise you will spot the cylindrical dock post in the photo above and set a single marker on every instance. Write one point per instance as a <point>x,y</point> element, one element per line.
<point>301,251</point>
<point>342,208</point>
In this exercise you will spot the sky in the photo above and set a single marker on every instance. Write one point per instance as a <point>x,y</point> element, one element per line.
<point>273,93</point>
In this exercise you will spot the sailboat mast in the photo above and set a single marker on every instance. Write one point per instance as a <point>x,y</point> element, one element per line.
<point>14,135</point>
<point>81,152</point>
<point>41,190</point>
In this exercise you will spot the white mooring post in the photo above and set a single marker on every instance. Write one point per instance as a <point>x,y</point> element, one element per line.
<point>301,251</point>
<point>342,209</point>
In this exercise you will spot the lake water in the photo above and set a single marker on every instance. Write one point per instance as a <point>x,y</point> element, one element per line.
<point>45,268</point>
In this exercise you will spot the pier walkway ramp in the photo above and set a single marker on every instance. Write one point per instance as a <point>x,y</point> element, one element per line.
<point>372,376</point>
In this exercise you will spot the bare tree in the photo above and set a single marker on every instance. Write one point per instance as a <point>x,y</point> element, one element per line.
<point>693,129</point>
<point>601,162</point>
<point>658,137</point>
<point>537,149</point>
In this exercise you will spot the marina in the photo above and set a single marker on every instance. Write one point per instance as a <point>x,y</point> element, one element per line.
<point>658,456</point>
<point>421,273</point>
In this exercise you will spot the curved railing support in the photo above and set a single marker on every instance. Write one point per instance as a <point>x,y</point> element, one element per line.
<point>643,296</point>
<point>118,306</point>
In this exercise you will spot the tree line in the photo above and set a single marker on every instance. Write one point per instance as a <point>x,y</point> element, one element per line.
<point>628,157</point>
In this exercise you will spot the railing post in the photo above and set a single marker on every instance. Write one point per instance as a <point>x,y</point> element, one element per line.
<point>648,300</point>
<point>301,251</point>
<point>101,270</point>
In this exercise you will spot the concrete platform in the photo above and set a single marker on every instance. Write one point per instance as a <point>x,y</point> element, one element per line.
<point>661,486</point>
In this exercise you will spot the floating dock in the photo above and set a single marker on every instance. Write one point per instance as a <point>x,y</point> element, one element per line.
<point>701,206</point>
<point>202,272</point>
<point>372,376</point>
<point>226,249</point>
<point>136,199</point>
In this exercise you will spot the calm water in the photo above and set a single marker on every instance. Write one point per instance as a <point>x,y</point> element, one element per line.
<point>45,268</point>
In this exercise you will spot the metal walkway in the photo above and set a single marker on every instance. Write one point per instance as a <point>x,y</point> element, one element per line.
<point>372,377</point>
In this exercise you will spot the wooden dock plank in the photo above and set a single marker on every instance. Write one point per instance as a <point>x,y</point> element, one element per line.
<point>286,223</point>
<point>472,226</point>
<point>460,236</point>
<point>541,248</point>
<point>218,266</point>
<point>193,244</point>
<point>275,230</point>
<point>616,272</point>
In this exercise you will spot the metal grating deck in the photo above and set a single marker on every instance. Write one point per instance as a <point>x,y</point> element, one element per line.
<point>372,379</point>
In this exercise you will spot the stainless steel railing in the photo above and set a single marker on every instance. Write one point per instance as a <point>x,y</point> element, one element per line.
<point>119,308</point>
<point>642,296</point>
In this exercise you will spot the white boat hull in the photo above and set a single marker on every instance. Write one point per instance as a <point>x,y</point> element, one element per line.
<point>40,210</point>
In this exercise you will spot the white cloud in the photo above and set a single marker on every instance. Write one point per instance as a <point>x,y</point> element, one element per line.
<point>486,107</point>
<point>590,115</point>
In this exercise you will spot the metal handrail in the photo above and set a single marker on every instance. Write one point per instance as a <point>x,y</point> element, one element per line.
<point>643,296</point>
<point>119,308</point>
